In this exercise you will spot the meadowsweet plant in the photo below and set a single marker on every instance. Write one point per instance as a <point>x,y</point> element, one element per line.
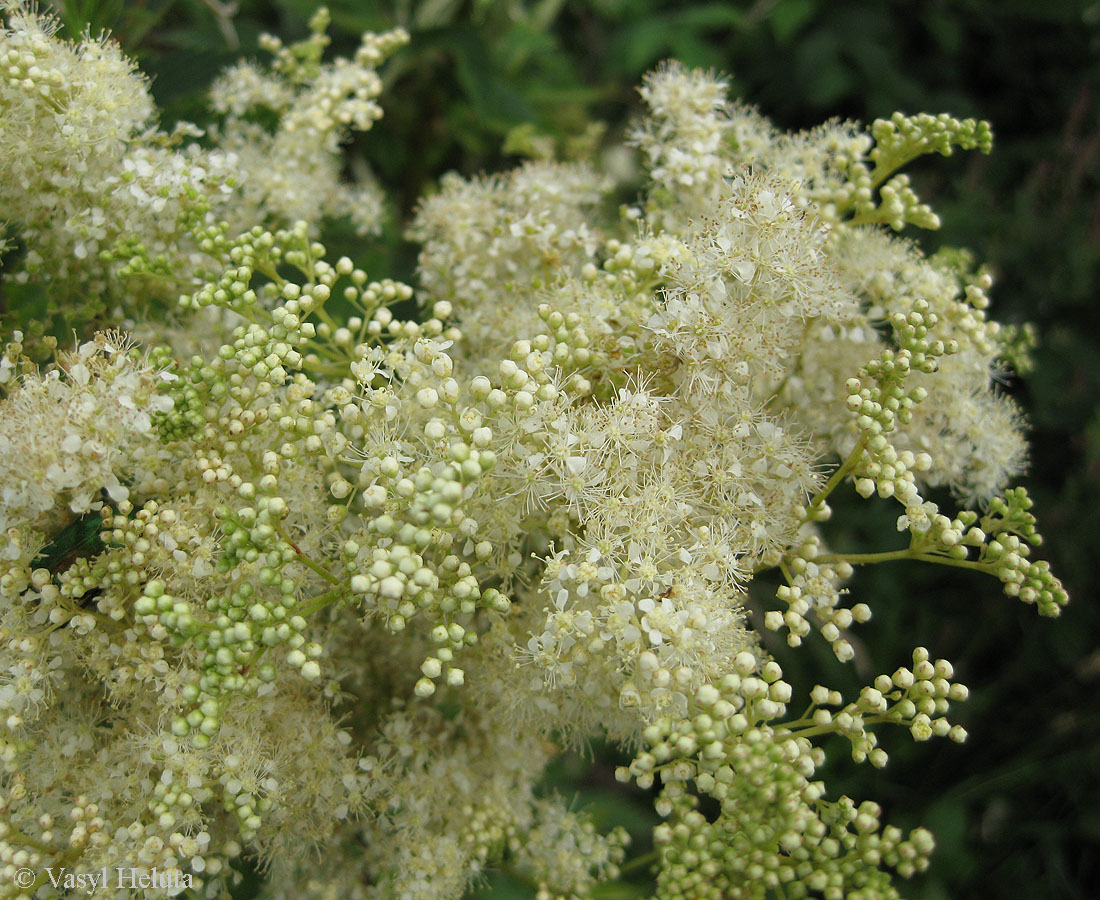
<point>284,570</point>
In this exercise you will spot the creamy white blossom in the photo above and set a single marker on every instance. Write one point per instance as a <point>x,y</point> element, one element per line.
<point>304,574</point>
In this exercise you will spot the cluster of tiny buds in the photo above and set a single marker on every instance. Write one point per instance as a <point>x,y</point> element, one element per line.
<point>901,137</point>
<point>414,515</point>
<point>19,850</point>
<point>813,592</point>
<point>625,260</point>
<point>802,841</point>
<point>730,738</point>
<point>969,318</point>
<point>899,206</point>
<point>568,348</point>
<point>234,630</point>
<point>750,695</point>
<point>137,532</point>
<point>1003,539</point>
<point>933,530</point>
<point>917,698</point>
<point>855,190</point>
<point>89,827</point>
<point>245,806</point>
<point>1013,530</point>
<point>171,799</point>
<point>896,141</point>
<point>885,403</point>
<point>24,64</point>
<point>651,678</point>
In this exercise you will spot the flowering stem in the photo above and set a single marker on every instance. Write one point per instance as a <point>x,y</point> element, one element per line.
<point>812,731</point>
<point>524,879</point>
<point>306,561</point>
<point>802,721</point>
<point>863,559</point>
<point>322,368</point>
<point>320,602</point>
<point>639,862</point>
<point>13,834</point>
<point>840,474</point>
<point>320,570</point>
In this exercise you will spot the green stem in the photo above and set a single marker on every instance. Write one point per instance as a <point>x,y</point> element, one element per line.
<point>524,879</point>
<point>320,570</point>
<point>256,656</point>
<point>887,167</point>
<point>840,474</point>
<point>807,732</point>
<point>319,602</point>
<point>306,561</point>
<point>334,369</point>
<point>639,862</point>
<point>325,350</point>
<point>319,311</point>
<point>863,559</point>
<point>271,272</point>
<point>13,834</point>
<point>801,722</point>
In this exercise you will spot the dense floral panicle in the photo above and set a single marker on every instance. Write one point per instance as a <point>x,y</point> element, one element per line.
<point>96,192</point>
<point>309,574</point>
<point>294,173</point>
<point>745,286</point>
<point>685,142</point>
<point>246,86</point>
<point>68,115</point>
<point>70,433</point>
<point>510,237</point>
<point>88,98</point>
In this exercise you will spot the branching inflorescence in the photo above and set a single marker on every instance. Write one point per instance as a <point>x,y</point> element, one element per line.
<point>348,578</point>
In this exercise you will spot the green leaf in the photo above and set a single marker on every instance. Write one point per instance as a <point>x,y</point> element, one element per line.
<point>682,33</point>
<point>789,17</point>
<point>492,98</point>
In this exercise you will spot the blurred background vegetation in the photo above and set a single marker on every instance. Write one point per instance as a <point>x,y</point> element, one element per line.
<point>1017,808</point>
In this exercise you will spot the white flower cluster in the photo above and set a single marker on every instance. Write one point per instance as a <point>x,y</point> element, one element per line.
<point>293,173</point>
<point>106,203</point>
<point>343,578</point>
<point>68,435</point>
<point>506,235</point>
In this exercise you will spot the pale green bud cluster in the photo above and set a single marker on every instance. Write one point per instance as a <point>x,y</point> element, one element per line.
<point>902,138</point>
<point>813,596</point>
<point>776,831</point>
<point>867,188</point>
